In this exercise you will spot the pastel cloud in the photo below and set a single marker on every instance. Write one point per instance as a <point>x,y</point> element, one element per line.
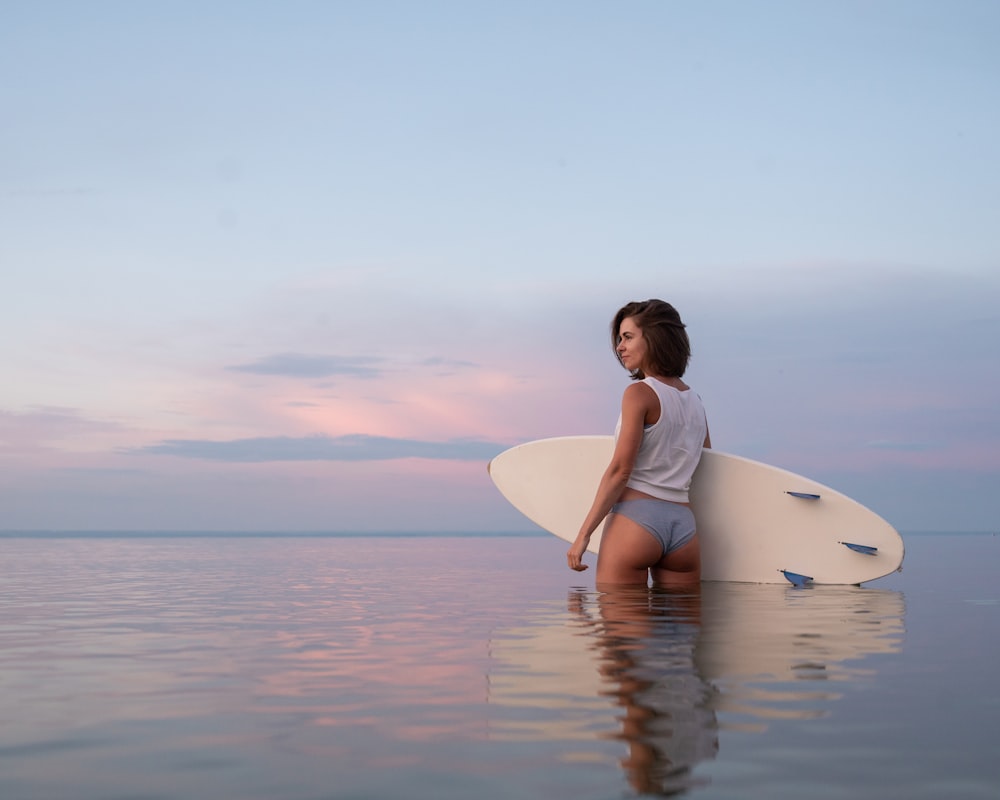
<point>299,365</point>
<point>51,427</point>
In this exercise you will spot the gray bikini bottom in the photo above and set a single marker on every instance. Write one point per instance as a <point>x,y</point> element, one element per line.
<point>671,523</point>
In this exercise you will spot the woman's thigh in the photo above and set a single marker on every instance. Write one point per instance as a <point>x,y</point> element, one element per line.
<point>680,567</point>
<point>627,552</point>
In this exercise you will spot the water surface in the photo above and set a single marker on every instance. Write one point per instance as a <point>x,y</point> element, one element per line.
<point>442,667</point>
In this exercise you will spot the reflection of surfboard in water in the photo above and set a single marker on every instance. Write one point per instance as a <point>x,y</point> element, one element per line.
<point>756,523</point>
<point>775,653</point>
<point>750,653</point>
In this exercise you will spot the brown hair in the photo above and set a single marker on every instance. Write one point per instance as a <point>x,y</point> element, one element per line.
<point>667,346</point>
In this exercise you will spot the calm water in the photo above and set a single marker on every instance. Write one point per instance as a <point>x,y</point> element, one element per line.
<point>271,667</point>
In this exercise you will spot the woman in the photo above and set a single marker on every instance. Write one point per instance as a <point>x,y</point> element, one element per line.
<point>661,432</point>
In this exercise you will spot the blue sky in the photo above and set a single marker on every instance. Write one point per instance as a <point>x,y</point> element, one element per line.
<point>307,265</point>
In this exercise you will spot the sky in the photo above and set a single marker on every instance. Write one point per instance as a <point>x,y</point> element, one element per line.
<point>307,266</point>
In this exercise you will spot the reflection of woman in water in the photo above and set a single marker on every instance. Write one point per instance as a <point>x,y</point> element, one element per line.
<point>658,443</point>
<point>645,640</point>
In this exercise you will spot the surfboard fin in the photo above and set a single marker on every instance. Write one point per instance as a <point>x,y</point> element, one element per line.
<point>867,550</point>
<point>795,578</point>
<point>804,495</point>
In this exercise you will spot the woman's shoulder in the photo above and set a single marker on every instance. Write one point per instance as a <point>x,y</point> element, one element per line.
<point>640,388</point>
<point>640,393</point>
<point>675,384</point>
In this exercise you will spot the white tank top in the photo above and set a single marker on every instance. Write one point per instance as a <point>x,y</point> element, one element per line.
<point>671,447</point>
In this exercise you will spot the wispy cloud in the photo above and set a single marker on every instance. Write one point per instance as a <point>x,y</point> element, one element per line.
<point>900,446</point>
<point>100,471</point>
<point>48,424</point>
<point>355,447</point>
<point>53,191</point>
<point>448,363</point>
<point>300,365</point>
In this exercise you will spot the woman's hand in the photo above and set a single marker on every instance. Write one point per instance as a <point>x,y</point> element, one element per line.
<point>574,556</point>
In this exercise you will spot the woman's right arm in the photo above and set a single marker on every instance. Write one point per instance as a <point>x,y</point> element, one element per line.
<point>635,403</point>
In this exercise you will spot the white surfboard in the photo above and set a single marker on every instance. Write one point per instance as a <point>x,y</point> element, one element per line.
<point>756,523</point>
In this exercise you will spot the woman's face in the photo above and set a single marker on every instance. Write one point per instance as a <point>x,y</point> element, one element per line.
<point>631,345</point>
